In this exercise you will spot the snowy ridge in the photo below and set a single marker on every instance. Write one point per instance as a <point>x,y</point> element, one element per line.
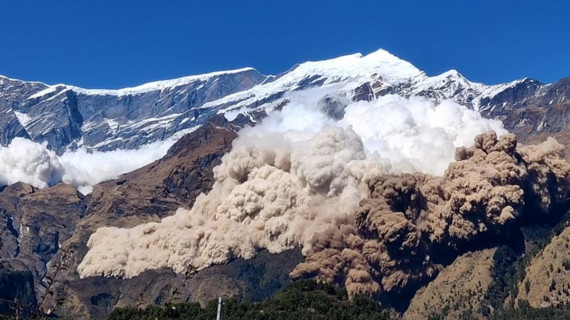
<point>128,118</point>
<point>4,78</point>
<point>158,85</point>
<point>46,91</point>
<point>492,91</point>
<point>384,72</point>
<point>143,88</point>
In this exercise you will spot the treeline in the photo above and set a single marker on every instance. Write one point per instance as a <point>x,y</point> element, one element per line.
<point>526,312</point>
<point>308,299</point>
<point>305,299</point>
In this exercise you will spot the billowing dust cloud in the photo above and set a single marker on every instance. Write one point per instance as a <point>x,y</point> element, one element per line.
<point>296,180</point>
<point>409,223</point>
<point>270,195</point>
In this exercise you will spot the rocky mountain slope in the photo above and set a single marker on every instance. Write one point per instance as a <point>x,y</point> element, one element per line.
<point>42,227</point>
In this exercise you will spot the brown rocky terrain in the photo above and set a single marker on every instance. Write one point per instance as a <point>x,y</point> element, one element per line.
<point>38,221</point>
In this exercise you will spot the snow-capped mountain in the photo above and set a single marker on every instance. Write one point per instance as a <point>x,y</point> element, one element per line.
<point>44,227</point>
<point>66,116</point>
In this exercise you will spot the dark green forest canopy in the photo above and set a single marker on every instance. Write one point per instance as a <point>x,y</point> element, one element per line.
<point>305,299</point>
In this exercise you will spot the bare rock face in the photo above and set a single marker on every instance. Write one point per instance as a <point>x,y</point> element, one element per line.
<point>458,289</point>
<point>514,97</point>
<point>10,229</point>
<point>363,92</point>
<point>536,113</point>
<point>37,222</point>
<point>332,107</point>
<point>17,294</point>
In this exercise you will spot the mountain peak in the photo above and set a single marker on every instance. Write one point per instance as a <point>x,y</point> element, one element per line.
<point>380,62</point>
<point>390,65</point>
<point>452,73</point>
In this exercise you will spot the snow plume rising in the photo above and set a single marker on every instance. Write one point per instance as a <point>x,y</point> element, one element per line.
<point>84,169</point>
<point>30,162</point>
<point>301,172</point>
<point>26,161</point>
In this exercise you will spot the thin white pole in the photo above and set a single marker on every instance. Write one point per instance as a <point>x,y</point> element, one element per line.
<point>219,317</point>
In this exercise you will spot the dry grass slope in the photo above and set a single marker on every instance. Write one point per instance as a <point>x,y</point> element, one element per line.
<point>547,280</point>
<point>457,289</point>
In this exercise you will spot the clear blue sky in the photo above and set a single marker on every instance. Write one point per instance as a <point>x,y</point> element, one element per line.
<point>111,44</point>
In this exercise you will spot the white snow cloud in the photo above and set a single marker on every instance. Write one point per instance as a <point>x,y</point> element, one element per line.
<point>30,162</point>
<point>84,169</point>
<point>26,161</point>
